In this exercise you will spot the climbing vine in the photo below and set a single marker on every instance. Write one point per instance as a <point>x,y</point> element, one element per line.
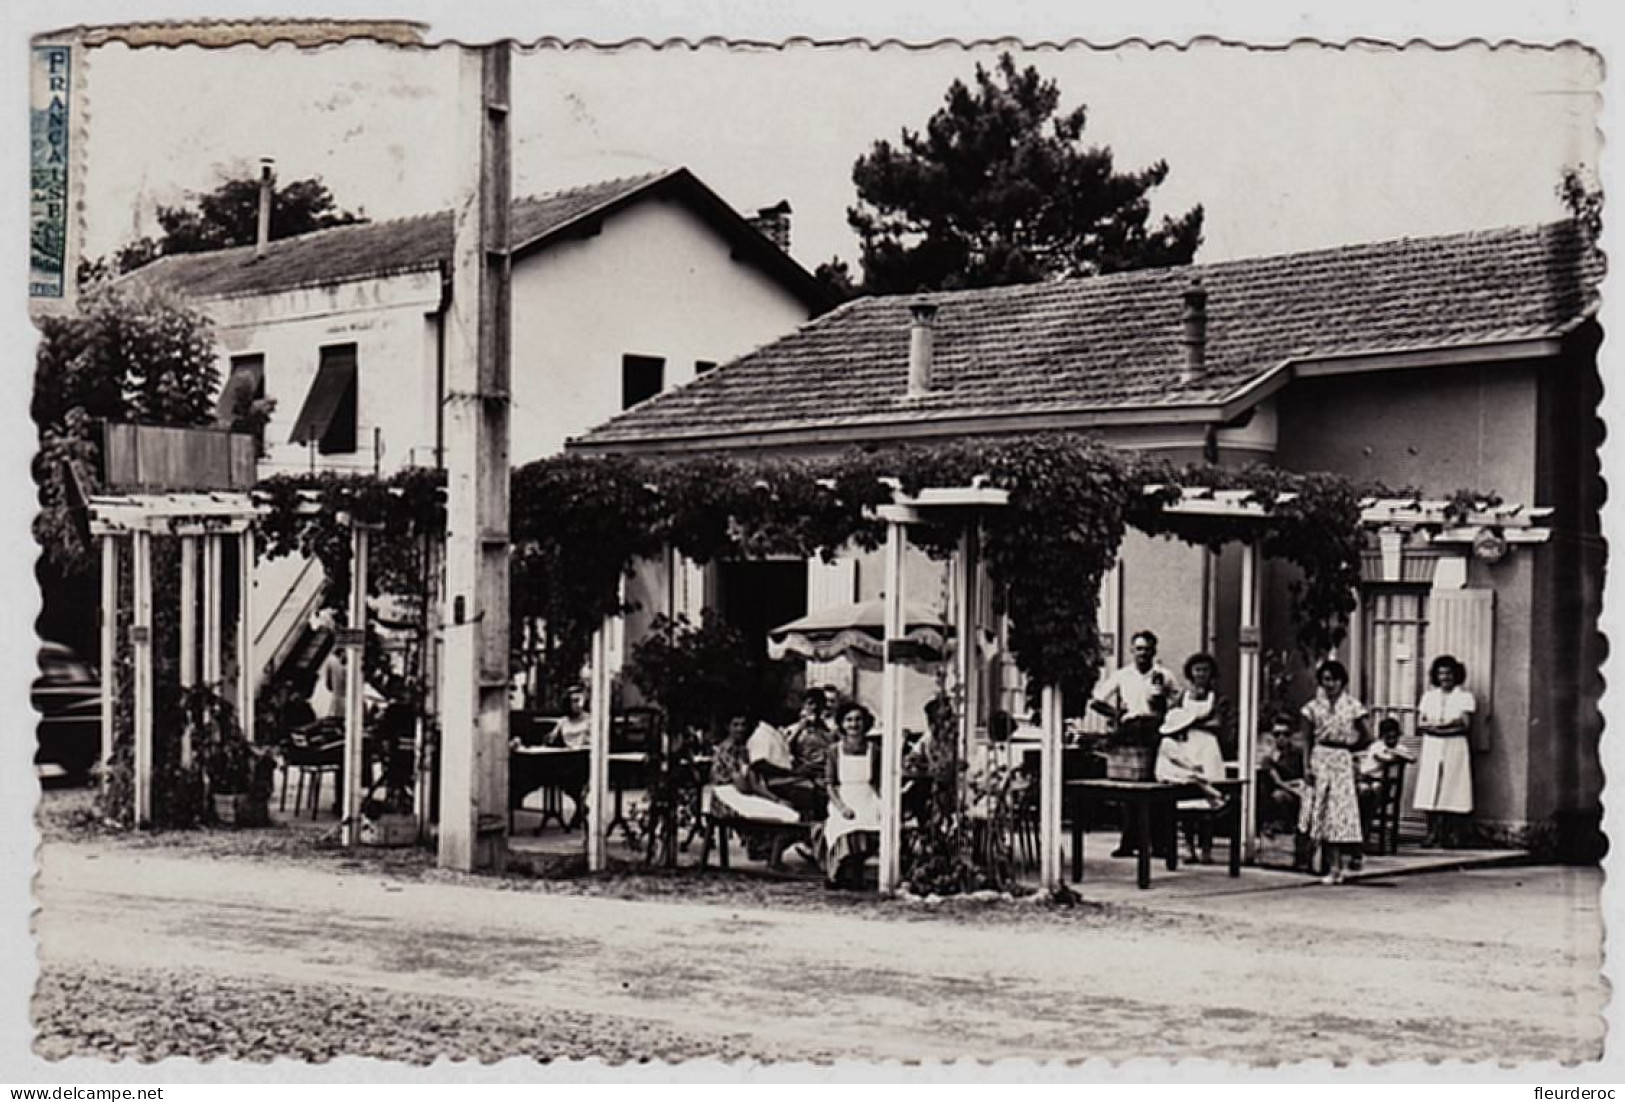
<point>579,524</point>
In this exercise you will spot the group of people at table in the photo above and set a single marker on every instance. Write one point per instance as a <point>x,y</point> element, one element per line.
<point>1319,769</point>
<point>1325,791</point>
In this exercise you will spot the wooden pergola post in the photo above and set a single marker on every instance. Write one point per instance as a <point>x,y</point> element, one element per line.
<point>141,641</point>
<point>247,674</point>
<point>188,631</point>
<point>354,641</point>
<point>891,721</point>
<point>598,751</point>
<point>109,642</point>
<point>1051,766</point>
<point>1247,715</point>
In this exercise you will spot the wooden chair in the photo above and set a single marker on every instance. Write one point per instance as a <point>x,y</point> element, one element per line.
<point>314,752</point>
<point>1382,827</point>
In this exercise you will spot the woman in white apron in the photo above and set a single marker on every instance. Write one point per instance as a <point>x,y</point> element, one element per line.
<point>854,798</point>
<point>1444,775</point>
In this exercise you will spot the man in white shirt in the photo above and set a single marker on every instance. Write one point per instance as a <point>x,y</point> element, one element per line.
<point>1135,698</point>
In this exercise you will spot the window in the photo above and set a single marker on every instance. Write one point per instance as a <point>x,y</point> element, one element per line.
<point>642,377</point>
<point>702,366</point>
<point>328,418</point>
<point>245,384</point>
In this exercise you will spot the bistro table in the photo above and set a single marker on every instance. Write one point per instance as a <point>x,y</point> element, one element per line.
<point>557,771</point>
<point>1138,799</point>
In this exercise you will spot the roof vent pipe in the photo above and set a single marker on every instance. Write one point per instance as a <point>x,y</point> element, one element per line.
<point>1195,337</point>
<point>921,347</point>
<point>262,236</point>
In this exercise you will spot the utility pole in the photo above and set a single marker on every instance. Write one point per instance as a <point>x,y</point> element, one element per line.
<point>474,703</point>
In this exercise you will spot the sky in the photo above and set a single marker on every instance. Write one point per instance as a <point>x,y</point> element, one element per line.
<point>1287,149</point>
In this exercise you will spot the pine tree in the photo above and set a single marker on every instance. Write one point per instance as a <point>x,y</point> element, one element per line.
<point>1000,189</point>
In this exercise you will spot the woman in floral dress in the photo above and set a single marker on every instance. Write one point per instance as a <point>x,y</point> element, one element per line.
<point>1337,728</point>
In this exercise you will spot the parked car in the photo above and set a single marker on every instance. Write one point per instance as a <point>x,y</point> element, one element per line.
<point>68,697</point>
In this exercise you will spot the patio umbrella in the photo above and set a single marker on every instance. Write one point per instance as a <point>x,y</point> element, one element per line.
<point>857,632</point>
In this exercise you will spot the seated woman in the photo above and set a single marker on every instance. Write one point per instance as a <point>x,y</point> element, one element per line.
<point>1190,755</point>
<point>854,799</point>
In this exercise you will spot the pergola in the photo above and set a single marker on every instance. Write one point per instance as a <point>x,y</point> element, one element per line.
<point>204,522</point>
<point>1391,520</point>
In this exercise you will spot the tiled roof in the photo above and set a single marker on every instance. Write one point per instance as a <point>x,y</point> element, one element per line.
<point>1114,341</point>
<point>377,248</point>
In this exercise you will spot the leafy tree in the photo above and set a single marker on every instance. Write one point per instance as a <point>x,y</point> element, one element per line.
<point>128,354</point>
<point>229,215</point>
<point>223,218</point>
<point>1583,199</point>
<point>999,189</point>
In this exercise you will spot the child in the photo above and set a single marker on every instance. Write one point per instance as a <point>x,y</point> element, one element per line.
<point>1281,764</point>
<point>1385,750</point>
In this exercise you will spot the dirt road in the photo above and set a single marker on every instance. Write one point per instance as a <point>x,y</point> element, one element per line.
<point>1495,965</point>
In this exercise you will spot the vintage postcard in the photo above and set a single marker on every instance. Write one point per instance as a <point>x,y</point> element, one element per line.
<point>811,552</point>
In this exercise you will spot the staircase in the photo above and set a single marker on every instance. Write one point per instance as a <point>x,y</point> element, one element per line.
<point>287,594</point>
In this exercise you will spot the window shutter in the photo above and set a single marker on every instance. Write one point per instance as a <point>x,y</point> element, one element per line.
<point>1461,622</point>
<point>830,585</point>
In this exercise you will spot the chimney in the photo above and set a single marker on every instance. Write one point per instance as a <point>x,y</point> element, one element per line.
<point>773,223</point>
<point>262,235</point>
<point>921,347</point>
<point>1195,337</point>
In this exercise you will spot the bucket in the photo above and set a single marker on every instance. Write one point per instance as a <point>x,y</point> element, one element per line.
<point>1130,763</point>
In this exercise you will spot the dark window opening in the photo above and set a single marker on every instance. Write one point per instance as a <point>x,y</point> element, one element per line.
<point>329,417</point>
<point>244,386</point>
<point>702,366</point>
<point>642,377</point>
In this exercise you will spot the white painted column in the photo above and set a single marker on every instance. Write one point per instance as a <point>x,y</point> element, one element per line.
<point>354,641</point>
<point>598,751</point>
<point>211,610</point>
<point>109,640</point>
<point>891,741</point>
<point>188,632</point>
<point>1050,863</point>
<point>248,679</point>
<point>1247,706</point>
<point>964,597</point>
<point>141,641</point>
<point>188,611</point>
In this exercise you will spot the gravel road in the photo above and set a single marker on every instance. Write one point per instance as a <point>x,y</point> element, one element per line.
<point>148,953</point>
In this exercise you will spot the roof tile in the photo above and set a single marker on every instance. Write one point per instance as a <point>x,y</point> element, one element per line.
<point>1114,341</point>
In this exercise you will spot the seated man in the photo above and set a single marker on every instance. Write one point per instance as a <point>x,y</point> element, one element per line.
<point>1281,776</point>
<point>789,766</point>
<point>733,789</point>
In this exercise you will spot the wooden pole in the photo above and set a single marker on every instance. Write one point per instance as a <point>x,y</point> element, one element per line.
<point>891,731</point>
<point>109,642</point>
<point>1051,765</point>
<point>354,641</point>
<point>598,752</point>
<point>964,707</point>
<point>248,679</point>
<point>211,609</point>
<point>141,641</point>
<point>1248,706</point>
<point>474,706</point>
<point>189,613</point>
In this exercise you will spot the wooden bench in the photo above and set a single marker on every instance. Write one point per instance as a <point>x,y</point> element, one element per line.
<point>780,835</point>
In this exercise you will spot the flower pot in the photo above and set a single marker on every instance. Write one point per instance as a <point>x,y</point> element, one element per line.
<point>389,829</point>
<point>241,809</point>
<point>1130,763</point>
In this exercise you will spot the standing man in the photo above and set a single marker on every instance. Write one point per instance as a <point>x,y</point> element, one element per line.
<point>1135,698</point>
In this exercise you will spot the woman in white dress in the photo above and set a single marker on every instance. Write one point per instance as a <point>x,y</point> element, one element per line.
<point>1444,775</point>
<point>852,772</point>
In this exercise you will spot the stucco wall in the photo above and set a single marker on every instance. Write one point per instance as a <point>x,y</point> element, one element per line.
<point>656,282</point>
<point>1439,430</point>
<point>386,318</point>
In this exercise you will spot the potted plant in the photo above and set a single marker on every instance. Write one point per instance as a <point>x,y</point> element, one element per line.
<point>238,774</point>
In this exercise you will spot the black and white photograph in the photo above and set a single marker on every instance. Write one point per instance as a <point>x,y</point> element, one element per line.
<point>809,551</point>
